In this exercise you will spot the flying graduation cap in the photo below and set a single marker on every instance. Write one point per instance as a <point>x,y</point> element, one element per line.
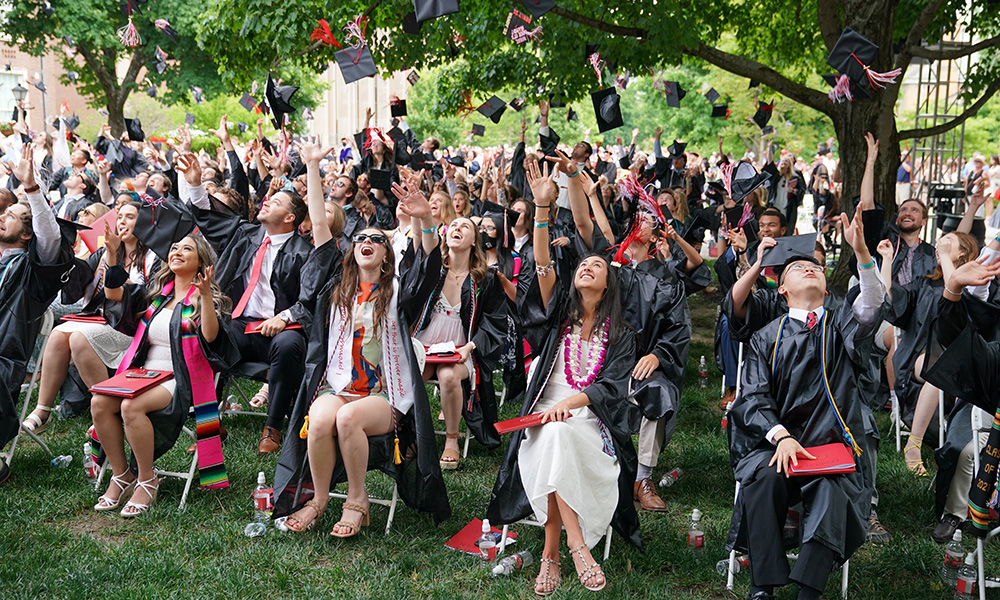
<point>278,98</point>
<point>789,249</point>
<point>160,60</point>
<point>72,76</point>
<point>410,24</point>
<point>538,8</point>
<point>720,111</point>
<point>151,91</point>
<point>478,129</point>
<point>189,119</point>
<point>425,10</point>
<point>517,104</point>
<point>397,107</point>
<point>711,95</point>
<point>607,109</point>
<point>355,63</point>
<point>493,109</point>
<point>676,150</point>
<point>852,56</point>
<point>742,178</point>
<point>675,93</point>
<point>242,127</point>
<point>197,93</point>
<point>249,103</point>
<point>72,122</point>
<point>134,129</point>
<point>763,114</point>
<point>164,26</point>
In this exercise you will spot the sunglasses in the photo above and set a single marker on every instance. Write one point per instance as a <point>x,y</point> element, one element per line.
<point>340,184</point>
<point>360,238</point>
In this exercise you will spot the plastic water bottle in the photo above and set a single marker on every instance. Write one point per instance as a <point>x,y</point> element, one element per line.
<point>702,372</point>
<point>512,563</point>
<point>965,588</point>
<point>61,462</point>
<point>742,562</point>
<point>487,546</point>
<point>260,499</point>
<point>952,560</point>
<point>696,536</point>
<point>89,466</point>
<point>671,478</point>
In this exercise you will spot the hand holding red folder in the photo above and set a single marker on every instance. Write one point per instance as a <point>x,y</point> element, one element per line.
<point>254,326</point>
<point>831,459</point>
<point>532,420</point>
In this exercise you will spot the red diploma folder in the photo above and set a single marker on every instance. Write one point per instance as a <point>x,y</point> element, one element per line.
<point>85,319</point>
<point>94,237</point>
<point>254,326</point>
<point>131,383</point>
<point>532,420</point>
<point>831,459</point>
<point>467,539</point>
<point>448,358</point>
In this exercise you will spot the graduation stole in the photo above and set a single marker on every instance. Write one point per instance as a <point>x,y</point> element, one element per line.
<point>211,464</point>
<point>826,380</point>
<point>983,493</point>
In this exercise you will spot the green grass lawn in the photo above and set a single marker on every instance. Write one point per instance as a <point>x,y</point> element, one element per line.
<point>53,545</point>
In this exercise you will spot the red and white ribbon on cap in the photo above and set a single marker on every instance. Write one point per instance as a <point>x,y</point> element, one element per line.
<point>372,134</point>
<point>598,64</point>
<point>632,189</point>
<point>129,35</point>
<point>323,35</point>
<point>841,90</point>
<point>876,79</point>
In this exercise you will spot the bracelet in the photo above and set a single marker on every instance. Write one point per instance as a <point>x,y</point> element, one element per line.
<point>956,294</point>
<point>548,205</point>
<point>432,230</point>
<point>31,190</point>
<point>997,238</point>
<point>868,266</point>
<point>574,174</point>
<point>544,270</point>
<point>541,225</point>
<point>783,438</point>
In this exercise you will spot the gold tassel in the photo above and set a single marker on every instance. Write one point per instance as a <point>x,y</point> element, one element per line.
<point>304,432</point>
<point>396,456</point>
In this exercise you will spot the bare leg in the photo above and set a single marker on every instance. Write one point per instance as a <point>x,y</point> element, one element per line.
<point>548,568</point>
<point>450,377</point>
<point>139,432</point>
<point>108,424</point>
<point>356,422</point>
<point>574,539</point>
<point>322,449</point>
<point>55,363</point>
<point>92,369</point>
<point>889,338</point>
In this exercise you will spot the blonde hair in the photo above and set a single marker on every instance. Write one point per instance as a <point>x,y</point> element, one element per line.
<point>447,213</point>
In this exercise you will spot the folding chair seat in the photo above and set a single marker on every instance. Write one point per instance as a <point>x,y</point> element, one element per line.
<point>27,389</point>
<point>188,477</point>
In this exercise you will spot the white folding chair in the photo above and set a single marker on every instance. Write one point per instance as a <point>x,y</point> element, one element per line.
<point>461,434</point>
<point>27,389</point>
<point>535,523</point>
<point>982,582</point>
<point>254,371</point>
<point>897,424</point>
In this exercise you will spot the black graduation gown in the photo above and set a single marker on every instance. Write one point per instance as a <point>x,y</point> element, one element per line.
<point>608,394</point>
<point>487,328</point>
<point>29,287</point>
<point>221,354</point>
<point>835,508</point>
<point>418,477</point>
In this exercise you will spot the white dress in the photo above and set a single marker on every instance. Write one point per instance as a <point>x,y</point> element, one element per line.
<point>572,457</point>
<point>158,357</point>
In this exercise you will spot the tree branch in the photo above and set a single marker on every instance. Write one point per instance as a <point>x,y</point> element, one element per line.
<point>107,84</point>
<point>599,25</point>
<point>924,52</point>
<point>943,127</point>
<point>917,33</point>
<point>752,69</point>
<point>139,58</point>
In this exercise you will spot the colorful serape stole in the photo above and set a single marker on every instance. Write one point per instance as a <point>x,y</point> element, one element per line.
<point>983,493</point>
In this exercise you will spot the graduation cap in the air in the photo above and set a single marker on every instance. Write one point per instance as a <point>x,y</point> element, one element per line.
<point>571,115</point>
<point>675,93</point>
<point>72,76</point>
<point>355,63</point>
<point>278,98</point>
<point>517,104</point>
<point>557,101</point>
<point>767,130</point>
<point>242,127</point>
<point>72,122</point>
<point>6,67</point>
<point>307,113</point>
<point>538,8</point>
<point>189,119</point>
<point>196,92</point>
<point>711,95</point>
<point>693,231</point>
<point>763,114</point>
<point>162,223</point>
<point>151,91</point>
<point>134,129</point>
<point>380,179</point>
<point>477,129</point>
<point>397,107</point>
<point>493,109</point>
<point>607,109</point>
<point>410,23</point>
<point>743,179</point>
<point>676,150</point>
<point>102,111</point>
<point>426,10</point>
<point>47,8</point>
<point>853,54</point>
<point>40,85</point>
<point>69,41</point>
<point>715,192</point>
<point>160,60</point>
<point>789,249</point>
<point>413,77</point>
<point>753,83</point>
<point>720,111</point>
<point>771,170</point>
<point>249,103</point>
<point>164,26</point>
<point>396,135</point>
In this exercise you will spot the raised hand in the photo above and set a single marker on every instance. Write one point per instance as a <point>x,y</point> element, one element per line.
<point>885,250</point>
<point>854,233</point>
<point>25,168</point>
<point>184,137</point>
<point>564,163</point>
<point>872,145</point>
<point>543,107</point>
<point>543,188</point>
<point>189,165</point>
<point>111,243</point>
<point>313,153</point>
<point>765,243</point>
<point>975,272</point>
<point>204,283</point>
<point>223,131</point>
<point>658,132</point>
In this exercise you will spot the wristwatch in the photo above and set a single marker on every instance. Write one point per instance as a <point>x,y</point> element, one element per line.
<point>285,316</point>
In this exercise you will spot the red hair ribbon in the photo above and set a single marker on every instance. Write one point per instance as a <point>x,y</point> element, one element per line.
<point>878,80</point>
<point>468,107</point>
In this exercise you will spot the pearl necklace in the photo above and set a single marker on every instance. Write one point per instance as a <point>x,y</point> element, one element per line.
<point>573,366</point>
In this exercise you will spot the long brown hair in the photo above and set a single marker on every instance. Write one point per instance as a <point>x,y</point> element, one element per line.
<point>970,250</point>
<point>345,293</point>
<point>477,258</point>
<point>206,258</point>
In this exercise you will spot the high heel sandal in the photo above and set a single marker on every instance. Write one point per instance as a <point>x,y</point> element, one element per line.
<point>134,509</point>
<point>590,571</point>
<point>34,423</point>
<point>354,527</point>
<point>915,465</point>
<point>313,504</point>
<point>545,583</point>
<point>450,456</point>
<point>105,504</point>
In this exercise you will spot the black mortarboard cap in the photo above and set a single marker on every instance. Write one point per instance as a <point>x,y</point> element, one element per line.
<point>40,85</point>
<point>745,179</point>
<point>676,150</point>
<point>711,95</point>
<point>477,129</point>
<point>789,249</point>
<point>355,64</point>
<point>571,115</point>
<point>72,76</point>
<point>851,54</point>
<point>425,10</point>
<point>249,102</point>
<point>69,229</point>
<point>164,226</point>
<point>857,92</point>
<point>720,111</point>
<point>380,179</point>
<point>72,122</point>
<point>493,109</point>
<point>517,104</point>
<point>6,67</point>
<point>396,135</point>
<point>458,160</point>
<point>607,109</point>
<point>735,214</point>
<point>767,130</point>
<point>557,101</point>
<point>693,231</point>
<point>196,93</point>
<point>675,93</point>
<point>189,119</point>
<point>134,129</point>
<point>771,170</point>
<point>160,60</point>
<point>242,127</point>
<point>538,8</point>
<point>413,77</point>
<point>410,23</point>
<point>753,83</point>
<point>151,91</point>
<point>397,107</point>
<point>278,99</point>
<point>763,114</point>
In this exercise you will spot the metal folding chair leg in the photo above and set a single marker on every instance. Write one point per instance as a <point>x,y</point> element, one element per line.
<point>28,389</point>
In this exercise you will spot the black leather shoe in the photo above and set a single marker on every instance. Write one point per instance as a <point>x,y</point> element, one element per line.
<point>760,595</point>
<point>945,529</point>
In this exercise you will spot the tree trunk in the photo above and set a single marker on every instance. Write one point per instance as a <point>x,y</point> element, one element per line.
<point>116,114</point>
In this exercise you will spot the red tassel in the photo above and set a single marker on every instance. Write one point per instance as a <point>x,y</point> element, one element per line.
<point>129,35</point>
<point>468,107</point>
<point>841,90</point>
<point>323,34</point>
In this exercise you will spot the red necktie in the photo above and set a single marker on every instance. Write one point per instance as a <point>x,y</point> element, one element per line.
<point>258,262</point>
<point>811,321</point>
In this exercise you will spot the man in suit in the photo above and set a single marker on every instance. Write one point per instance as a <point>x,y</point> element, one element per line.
<point>80,193</point>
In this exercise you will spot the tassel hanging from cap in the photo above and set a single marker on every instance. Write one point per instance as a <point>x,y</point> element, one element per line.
<point>876,79</point>
<point>598,64</point>
<point>323,35</point>
<point>397,458</point>
<point>468,107</point>
<point>129,35</point>
<point>304,432</point>
<point>841,90</point>
<point>372,134</point>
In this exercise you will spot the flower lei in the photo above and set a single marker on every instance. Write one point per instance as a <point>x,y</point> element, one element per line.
<point>573,356</point>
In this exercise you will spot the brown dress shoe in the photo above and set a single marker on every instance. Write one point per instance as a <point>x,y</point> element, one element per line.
<point>729,397</point>
<point>645,494</point>
<point>270,440</point>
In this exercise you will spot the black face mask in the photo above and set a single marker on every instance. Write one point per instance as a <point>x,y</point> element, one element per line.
<point>488,242</point>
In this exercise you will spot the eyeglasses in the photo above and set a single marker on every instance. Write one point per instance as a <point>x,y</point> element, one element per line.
<point>808,268</point>
<point>360,238</point>
<point>339,183</point>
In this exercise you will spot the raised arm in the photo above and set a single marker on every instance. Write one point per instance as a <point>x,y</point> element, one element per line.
<point>868,179</point>
<point>885,250</point>
<point>209,318</point>
<point>413,203</point>
<point>311,154</point>
<point>866,305</point>
<point>577,199</point>
<point>103,186</point>
<point>744,285</point>
<point>976,199</point>
<point>593,191</point>
<point>545,191</point>
<point>43,220</point>
<point>692,260</point>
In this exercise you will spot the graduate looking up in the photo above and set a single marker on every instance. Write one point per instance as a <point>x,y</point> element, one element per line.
<point>800,390</point>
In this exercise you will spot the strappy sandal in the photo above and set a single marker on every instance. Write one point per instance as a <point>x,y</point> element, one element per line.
<point>301,526</point>
<point>354,527</point>
<point>915,465</point>
<point>590,571</point>
<point>125,488</point>
<point>450,456</point>
<point>34,423</point>
<point>545,583</point>
<point>260,398</point>
<point>134,509</point>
